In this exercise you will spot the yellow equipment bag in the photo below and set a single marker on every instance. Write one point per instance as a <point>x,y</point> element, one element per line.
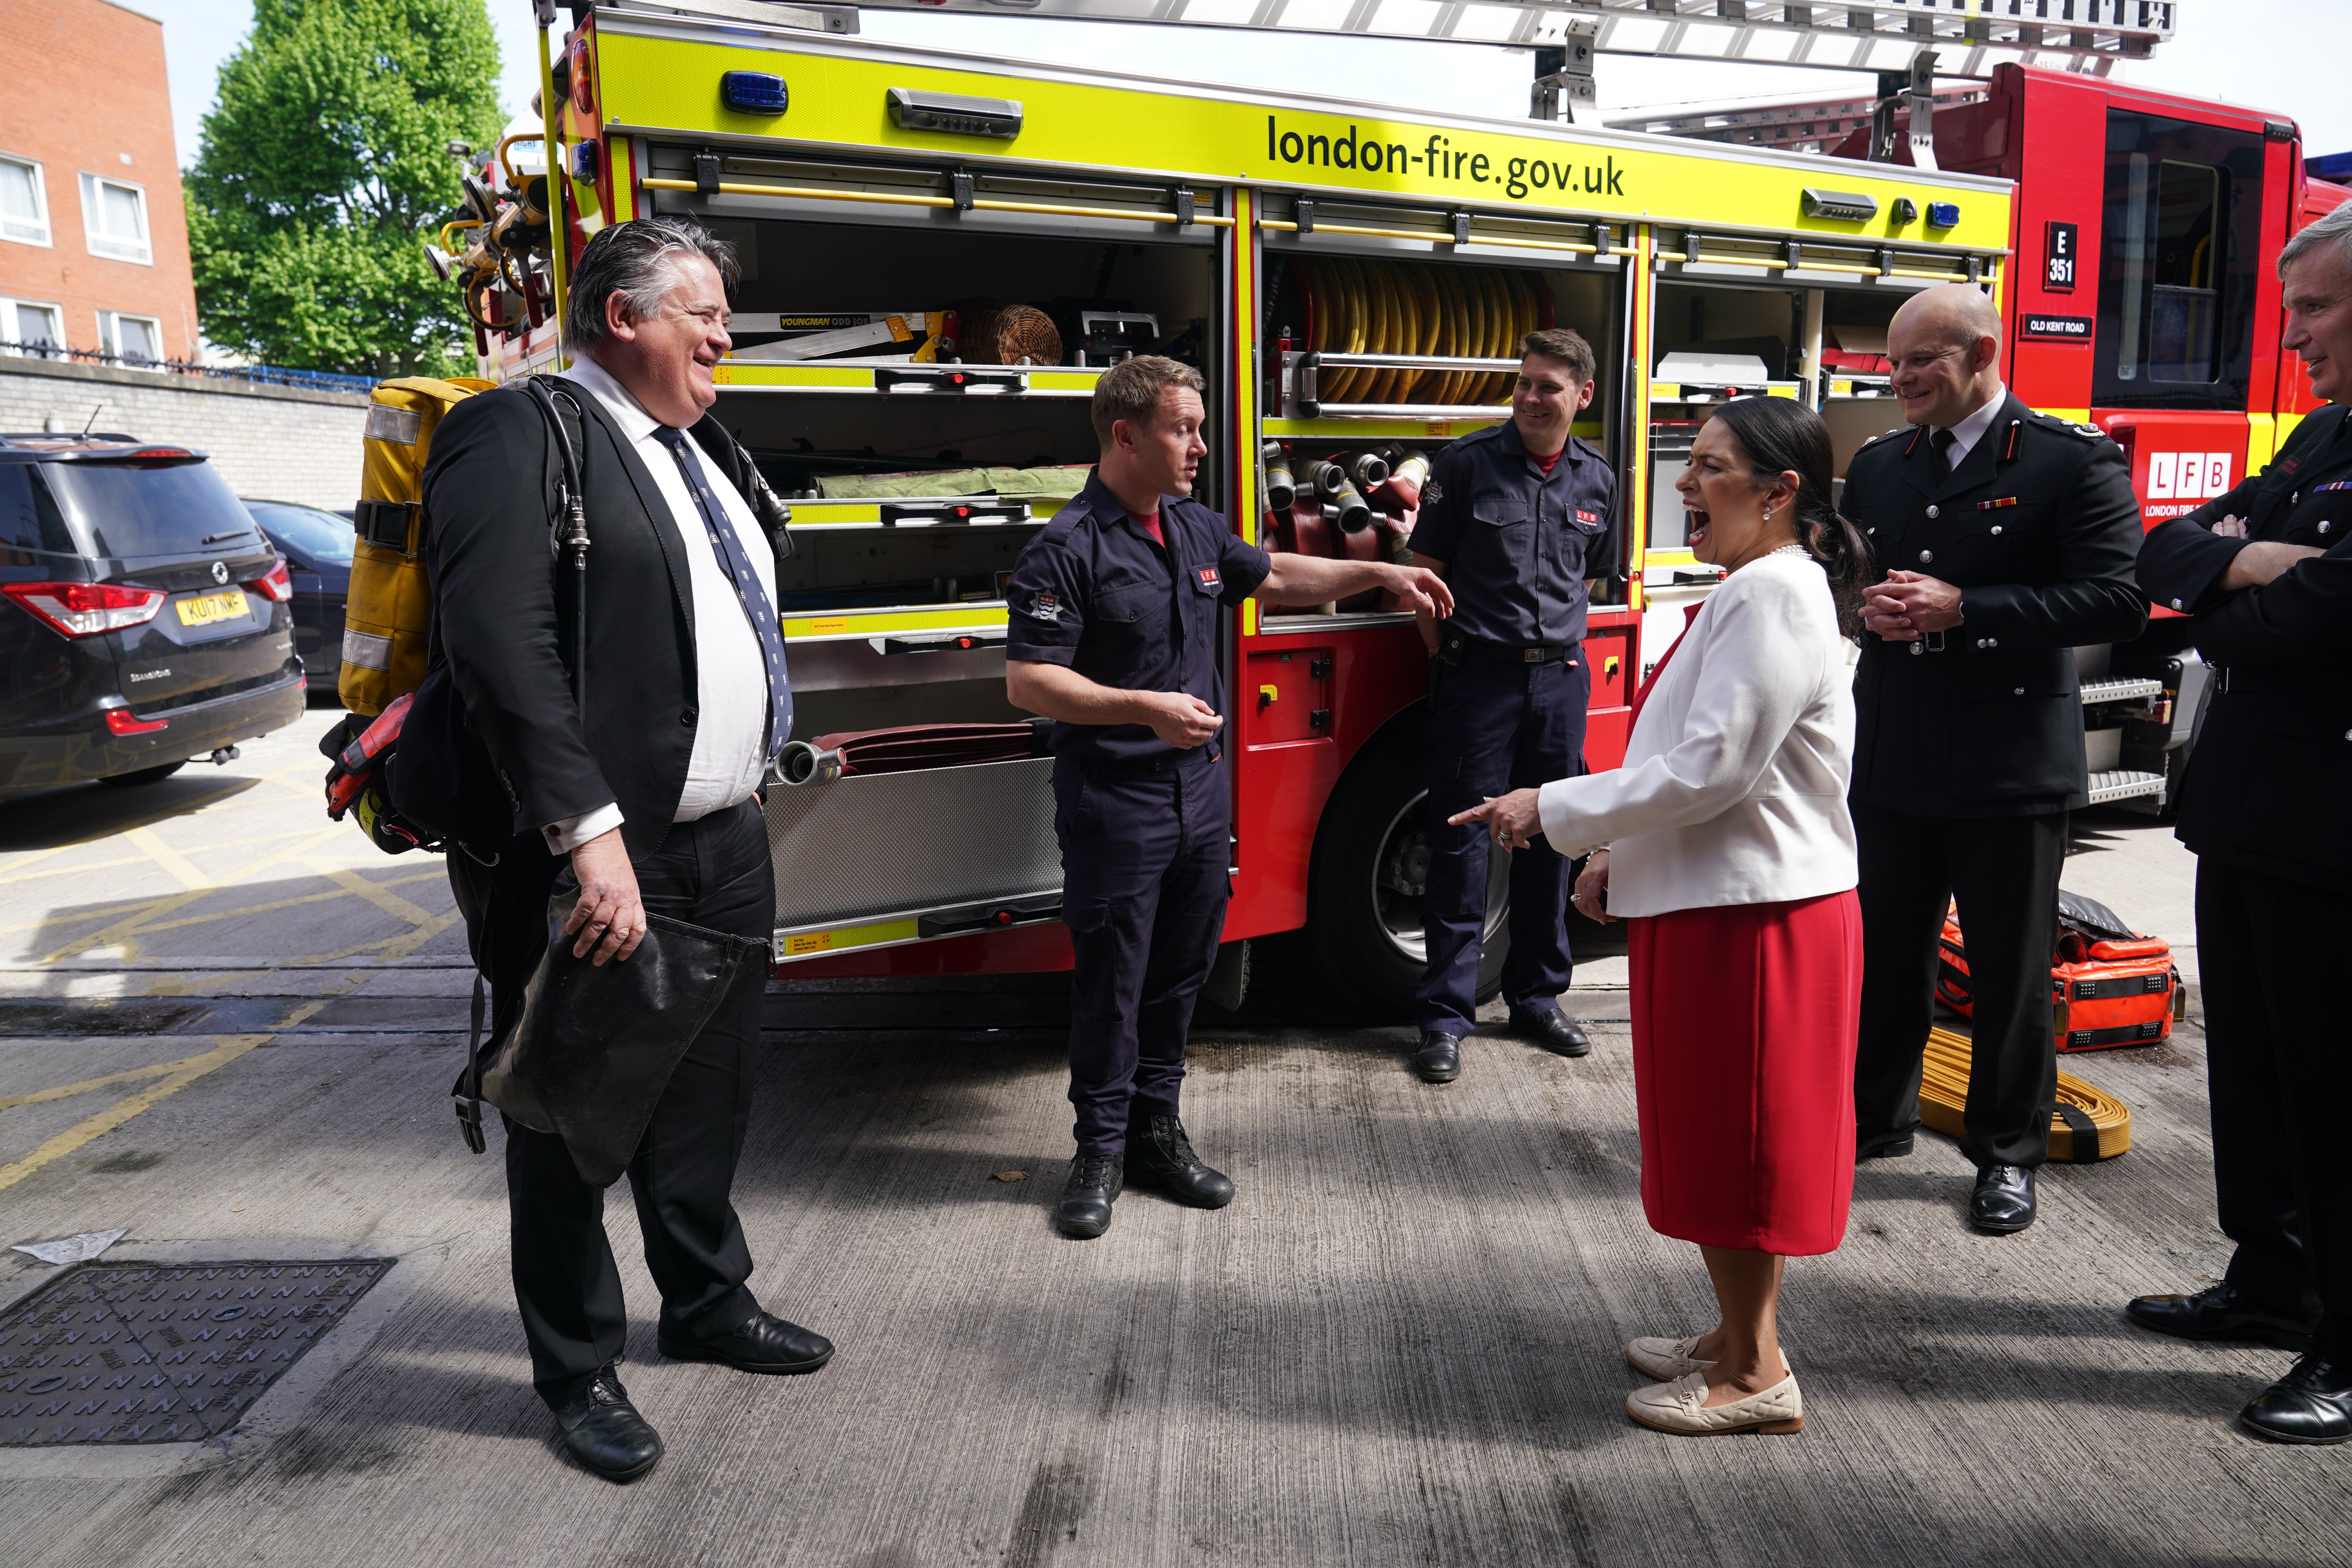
<point>389,615</point>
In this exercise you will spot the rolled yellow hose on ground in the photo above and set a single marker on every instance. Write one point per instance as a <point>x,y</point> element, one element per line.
<point>1944,1096</point>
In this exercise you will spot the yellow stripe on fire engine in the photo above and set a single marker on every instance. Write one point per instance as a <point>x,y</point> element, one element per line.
<point>811,944</point>
<point>844,624</point>
<point>1084,120</point>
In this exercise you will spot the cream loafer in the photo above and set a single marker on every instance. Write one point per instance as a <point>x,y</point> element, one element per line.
<point>1668,1360</point>
<point>1665,1359</point>
<point>1681,1406</point>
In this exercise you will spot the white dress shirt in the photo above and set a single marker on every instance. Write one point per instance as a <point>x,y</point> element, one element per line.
<point>1969,431</point>
<point>731,673</point>
<point>1733,790</point>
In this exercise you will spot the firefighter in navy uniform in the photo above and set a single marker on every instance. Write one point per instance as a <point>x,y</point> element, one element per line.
<point>2009,537</point>
<point>1515,519</point>
<point>1113,632</point>
<point>2267,571</point>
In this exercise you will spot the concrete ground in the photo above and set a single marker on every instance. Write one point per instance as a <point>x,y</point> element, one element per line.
<point>229,1027</point>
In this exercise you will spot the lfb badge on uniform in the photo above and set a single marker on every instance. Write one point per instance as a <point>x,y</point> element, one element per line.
<point>1589,519</point>
<point>1044,608</point>
<point>1209,578</point>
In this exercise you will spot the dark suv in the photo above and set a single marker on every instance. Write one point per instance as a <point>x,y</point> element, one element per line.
<point>145,619</point>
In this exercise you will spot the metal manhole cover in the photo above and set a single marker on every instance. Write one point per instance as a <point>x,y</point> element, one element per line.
<point>156,1353</point>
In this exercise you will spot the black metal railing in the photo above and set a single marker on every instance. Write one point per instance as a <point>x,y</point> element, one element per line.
<point>268,374</point>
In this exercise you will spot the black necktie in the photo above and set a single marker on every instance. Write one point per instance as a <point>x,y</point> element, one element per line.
<point>748,592</point>
<point>1942,441</point>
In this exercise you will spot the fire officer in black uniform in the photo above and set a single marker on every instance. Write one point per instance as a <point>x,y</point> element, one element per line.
<point>1114,633</point>
<point>2013,536</point>
<point>2267,571</point>
<point>1515,519</point>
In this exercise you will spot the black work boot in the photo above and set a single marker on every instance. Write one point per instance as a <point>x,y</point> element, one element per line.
<point>1094,1186</point>
<point>1438,1057</point>
<point>1160,1156</point>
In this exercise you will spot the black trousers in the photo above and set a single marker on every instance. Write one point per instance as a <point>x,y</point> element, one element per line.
<point>713,872</point>
<point>2003,873</point>
<point>1499,727</point>
<point>2278,1061</point>
<point>1144,890</point>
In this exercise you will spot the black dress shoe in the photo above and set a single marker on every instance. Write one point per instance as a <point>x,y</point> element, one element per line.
<point>1438,1058</point>
<point>1882,1146</point>
<point>1160,1155</point>
<point>1552,1030</point>
<point>1094,1186</point>
<point>2220,1312</point>
<point>2003,1201</point>
<point>764,1344</point>
<point>2311,1404</point>
<point>604,1431</point>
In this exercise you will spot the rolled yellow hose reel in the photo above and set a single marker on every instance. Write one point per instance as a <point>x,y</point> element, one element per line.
<point>1944,1096</point>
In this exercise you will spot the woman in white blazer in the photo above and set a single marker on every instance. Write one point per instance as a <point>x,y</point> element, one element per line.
<point>1724,840</point>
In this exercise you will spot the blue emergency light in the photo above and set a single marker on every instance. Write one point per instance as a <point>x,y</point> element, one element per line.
<point>754,92</point>
<point>1943,214</point>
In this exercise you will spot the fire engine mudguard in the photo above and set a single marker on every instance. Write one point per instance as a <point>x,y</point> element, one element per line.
<point>1364,884</point>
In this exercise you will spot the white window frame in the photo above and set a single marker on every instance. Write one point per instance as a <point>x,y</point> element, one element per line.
<point>41,203</point>
<point>110,333</point>
<point>10,330</point>
<point>102,244</point>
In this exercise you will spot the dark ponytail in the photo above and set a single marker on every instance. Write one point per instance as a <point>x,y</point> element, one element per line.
<point>1780,436</point>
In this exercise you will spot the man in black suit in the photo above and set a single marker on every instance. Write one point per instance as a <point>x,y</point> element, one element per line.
<point>2267,571</point>
<point>2010,538</point>
<point>648,797</point>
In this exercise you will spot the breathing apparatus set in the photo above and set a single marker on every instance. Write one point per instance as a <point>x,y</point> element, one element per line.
<point>503,265</point>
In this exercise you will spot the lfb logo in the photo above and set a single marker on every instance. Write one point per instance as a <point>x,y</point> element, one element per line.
<point>2187,475</point>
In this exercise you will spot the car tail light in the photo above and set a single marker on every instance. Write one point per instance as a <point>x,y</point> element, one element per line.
<point>86,609</point>
<point>123,721</point>
<point>274,583</point>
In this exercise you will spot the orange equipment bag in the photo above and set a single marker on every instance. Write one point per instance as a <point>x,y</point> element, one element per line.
<point>2109,986</point>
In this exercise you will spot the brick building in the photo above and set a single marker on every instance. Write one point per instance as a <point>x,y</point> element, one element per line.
<point>93,237</point>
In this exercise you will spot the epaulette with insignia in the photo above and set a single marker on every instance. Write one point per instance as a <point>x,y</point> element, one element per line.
<point>2072,427</point>
<point>1898,430</point>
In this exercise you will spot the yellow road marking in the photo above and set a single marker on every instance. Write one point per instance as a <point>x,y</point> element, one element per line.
<point>373,892</point>
<point>67,1090</point>
<point>276,904</point>
<point>171,860</point>
<point>226,1049</point>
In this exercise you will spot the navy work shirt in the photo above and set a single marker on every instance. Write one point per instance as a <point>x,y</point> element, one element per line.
<point>1094,592</point>
<point>1517,545</point>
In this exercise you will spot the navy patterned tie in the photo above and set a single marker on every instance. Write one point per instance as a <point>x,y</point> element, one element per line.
<point>748,592</point>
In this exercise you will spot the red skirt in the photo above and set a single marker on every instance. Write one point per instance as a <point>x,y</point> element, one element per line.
<point>1744,1026</point>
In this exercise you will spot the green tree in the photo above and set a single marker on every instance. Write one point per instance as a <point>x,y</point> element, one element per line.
<point>321,169</point>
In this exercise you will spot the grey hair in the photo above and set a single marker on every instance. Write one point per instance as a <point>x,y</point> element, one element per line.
<point>2335,225</point>
<point>633,259</point>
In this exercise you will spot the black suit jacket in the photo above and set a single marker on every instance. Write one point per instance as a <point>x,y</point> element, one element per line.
<point>503,608</point>
<point>2266,786</point>
<point>2038,527</point>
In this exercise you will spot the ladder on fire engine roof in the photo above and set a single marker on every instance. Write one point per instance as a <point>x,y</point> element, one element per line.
<point>1975,35</point>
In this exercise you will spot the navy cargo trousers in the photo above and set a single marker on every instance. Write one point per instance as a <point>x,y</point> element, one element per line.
<point>1145,855</point>
<point>1499,727</point>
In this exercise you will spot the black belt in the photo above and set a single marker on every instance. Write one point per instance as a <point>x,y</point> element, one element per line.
<point>1510,653</point>
<point>1148,767</point>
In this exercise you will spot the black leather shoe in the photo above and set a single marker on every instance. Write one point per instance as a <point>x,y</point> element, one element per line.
<point>1160,1155</point>
<point>2311,1404</point>
<point>604,1431</point>
<point>2003,1201</point>
<point>1094,1186</point>
<point>765,1344</point>
<point>1552,1030</point>
<point>1438,1058</point>
<point>2220,1312</point>
<point>1882,1146</point>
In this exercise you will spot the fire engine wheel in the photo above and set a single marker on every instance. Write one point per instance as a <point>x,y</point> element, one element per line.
<point>144,775</point>
<point>1371,862</point>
